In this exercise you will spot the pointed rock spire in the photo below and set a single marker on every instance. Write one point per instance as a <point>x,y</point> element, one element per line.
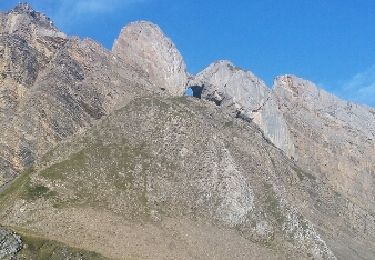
<point>143,44</point>
<point>25,21</point>
<point>23,7</point>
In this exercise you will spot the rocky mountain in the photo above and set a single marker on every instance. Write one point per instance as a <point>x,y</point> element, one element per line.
<point>102,157</point>
<point>52,86</point>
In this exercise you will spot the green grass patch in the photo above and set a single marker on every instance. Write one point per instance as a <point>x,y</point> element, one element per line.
<point>56,171</point>
<point>302,174</point>
<point>15,188</point>
<point>43,249</point>
<point>30,192</point>
<point>273,205</point>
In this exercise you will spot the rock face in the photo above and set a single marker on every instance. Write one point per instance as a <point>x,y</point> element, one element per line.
<point>52,86</point>
<point>143,45</point>
<point>334,138</point>
<point>335,141</point>
<point>27,23</point>
<point>246,97</point>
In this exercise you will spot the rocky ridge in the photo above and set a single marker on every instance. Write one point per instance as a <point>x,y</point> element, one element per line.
<point>290,172</point>
<point>246,97</point>
<point>52,86</point>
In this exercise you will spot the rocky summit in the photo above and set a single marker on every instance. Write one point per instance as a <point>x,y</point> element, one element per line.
<point>103,157</point>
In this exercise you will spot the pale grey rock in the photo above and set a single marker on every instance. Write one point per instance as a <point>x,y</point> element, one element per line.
<point>335,143</point>
<point>10,243</point>
<point>333,137</point>
<point>143,45</point>
<point>246,97</point>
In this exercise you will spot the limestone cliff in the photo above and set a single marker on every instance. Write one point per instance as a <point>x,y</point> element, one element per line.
<point>335,142</point>
<point>246,97</point>
<point>143,45</point>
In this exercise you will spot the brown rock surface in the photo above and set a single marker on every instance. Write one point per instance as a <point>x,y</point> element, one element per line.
<point>335,143</point>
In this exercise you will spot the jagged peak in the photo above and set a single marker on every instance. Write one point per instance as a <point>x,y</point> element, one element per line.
<point>26,10</point>
<point>229,68</point>
<point>23,20</point>
<point>144,24</point>
<point>223,63</point>
<point>23,7</point>
<point>294,83</point>
<point>144,45</point>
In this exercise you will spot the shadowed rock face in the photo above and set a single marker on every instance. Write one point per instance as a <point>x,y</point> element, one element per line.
<point>143,45</point>
<point>247,97</point>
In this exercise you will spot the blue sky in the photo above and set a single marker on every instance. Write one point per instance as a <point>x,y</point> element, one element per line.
<point>331,42</point>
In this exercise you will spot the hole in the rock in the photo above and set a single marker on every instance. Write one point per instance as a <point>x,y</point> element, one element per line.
<point>195,91</point>
<point>163,89</point>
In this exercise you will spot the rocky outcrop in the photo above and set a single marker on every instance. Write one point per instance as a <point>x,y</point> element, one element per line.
<point>52,86</point>
<point>333,138</point>
<point>30,25</point>
<point>143,45</point>
<point>246,97</point>
<point>10,243</point>
<point>334,143</point>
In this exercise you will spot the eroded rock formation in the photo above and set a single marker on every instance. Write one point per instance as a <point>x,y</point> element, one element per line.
<point>246,97</point>
<point>52,86</point>
<point>143,45</point>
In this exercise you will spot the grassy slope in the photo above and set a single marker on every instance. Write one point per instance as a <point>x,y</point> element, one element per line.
<point>111,172</point>
<point>36,248</point>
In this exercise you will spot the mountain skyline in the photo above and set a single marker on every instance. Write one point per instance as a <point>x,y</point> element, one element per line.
<point>328,43</point>
<point>103,157</point>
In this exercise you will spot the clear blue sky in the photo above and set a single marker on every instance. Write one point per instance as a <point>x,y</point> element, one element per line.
<point>331,42</point>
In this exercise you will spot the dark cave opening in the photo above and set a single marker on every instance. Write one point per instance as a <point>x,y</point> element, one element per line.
<point>194,91</point>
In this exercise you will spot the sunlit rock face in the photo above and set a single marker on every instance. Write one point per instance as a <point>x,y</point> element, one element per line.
<point>143,45</point>
<point>333,137</point>
<point>52,86</point>
<point>246,97</point>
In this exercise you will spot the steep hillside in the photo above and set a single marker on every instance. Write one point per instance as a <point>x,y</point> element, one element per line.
<point>158,169</point>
